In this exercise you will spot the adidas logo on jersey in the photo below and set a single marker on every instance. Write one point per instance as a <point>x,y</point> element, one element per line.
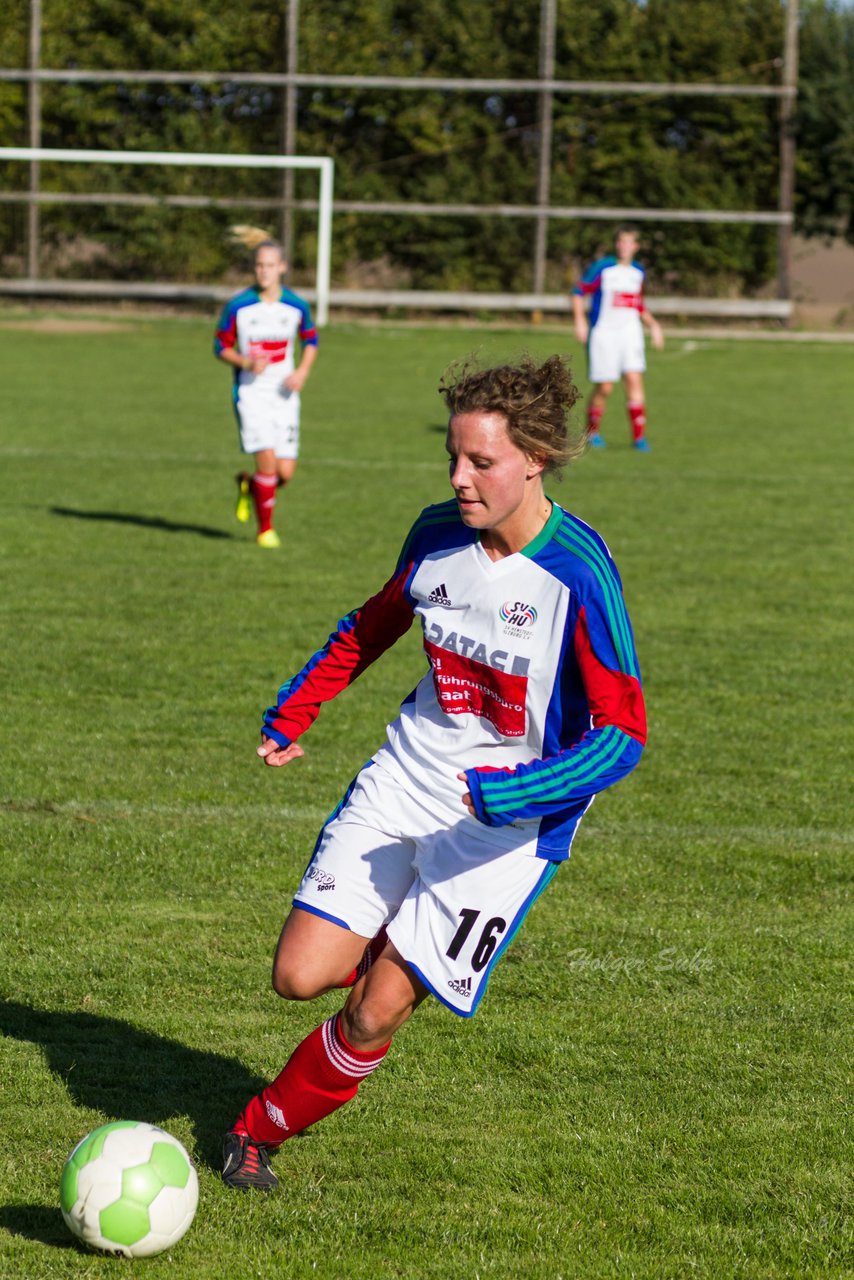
<point>462,986</point>
<point>440,596</point>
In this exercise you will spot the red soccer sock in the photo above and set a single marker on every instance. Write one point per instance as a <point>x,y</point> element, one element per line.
<point>594,417</point>
<point>373,950</point>
<point>637,417</point>
<point>264,495</point>
<point>321,1075</point>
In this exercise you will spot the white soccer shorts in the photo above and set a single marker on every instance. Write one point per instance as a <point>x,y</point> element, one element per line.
<point>452,891</point>
<point>611,352</point>
<point>269,421</point>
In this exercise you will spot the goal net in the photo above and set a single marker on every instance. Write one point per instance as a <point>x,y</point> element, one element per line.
<point>323,165</point>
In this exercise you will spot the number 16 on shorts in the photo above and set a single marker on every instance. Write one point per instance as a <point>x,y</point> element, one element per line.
<point>486,942</point>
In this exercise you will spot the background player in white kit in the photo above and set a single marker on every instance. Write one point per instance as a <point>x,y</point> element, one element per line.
<point>530,705</point>
<point>257,335</point>
<point>613,333</point>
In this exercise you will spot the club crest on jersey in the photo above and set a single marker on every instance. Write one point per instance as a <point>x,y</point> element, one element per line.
<point>519,617</point>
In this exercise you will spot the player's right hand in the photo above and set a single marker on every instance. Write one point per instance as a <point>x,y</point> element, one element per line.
<point>271,753</point>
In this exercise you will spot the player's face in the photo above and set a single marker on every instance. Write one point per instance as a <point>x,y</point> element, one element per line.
<point>491,477</point>
<point>269,268</point>
<point>627,246</point>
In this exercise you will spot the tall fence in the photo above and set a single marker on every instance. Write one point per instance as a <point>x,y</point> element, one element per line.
<point>541,213</point>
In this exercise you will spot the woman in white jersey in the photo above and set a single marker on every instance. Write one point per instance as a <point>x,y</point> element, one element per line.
<point>257,335</point>
<point>612,330</point>
<point>530,705</point>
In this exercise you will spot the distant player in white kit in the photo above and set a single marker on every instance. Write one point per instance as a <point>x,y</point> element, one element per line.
<point>530,705</point>
<point>257,335</point>
<point>613,333</point>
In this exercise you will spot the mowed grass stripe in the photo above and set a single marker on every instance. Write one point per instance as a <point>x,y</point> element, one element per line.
<point>645,831</point>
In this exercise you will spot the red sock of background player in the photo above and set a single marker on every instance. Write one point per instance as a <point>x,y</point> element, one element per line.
<point>321,1075</point>
<point>374,949</point>
<point>264,495</point>
<point>594,417</point>
<point>637,417</point>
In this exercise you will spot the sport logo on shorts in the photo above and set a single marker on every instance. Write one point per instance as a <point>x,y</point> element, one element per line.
<point>323,878</point>
<point>462,986</point>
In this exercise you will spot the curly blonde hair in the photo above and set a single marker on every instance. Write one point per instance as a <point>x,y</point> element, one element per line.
<point>535,399</point>
<point>253,238</point>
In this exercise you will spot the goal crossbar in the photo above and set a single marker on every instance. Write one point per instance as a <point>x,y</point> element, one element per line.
<point>212,160</point>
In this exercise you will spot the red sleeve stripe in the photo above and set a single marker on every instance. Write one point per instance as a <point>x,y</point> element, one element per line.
<point>614,697</point>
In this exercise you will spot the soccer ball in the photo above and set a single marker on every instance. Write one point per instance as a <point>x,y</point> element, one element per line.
<point>129,1188</point>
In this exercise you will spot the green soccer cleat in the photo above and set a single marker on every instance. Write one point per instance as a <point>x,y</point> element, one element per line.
<point>243,510</point>
<point>269,539</point>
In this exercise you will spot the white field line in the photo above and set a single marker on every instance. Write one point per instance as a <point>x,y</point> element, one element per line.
<point>105,810</point>
<point>224,460</point>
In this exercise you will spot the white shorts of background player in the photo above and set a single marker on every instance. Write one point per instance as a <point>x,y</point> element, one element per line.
<point>615,350</point>
<point>269,421</point>
<point>453,891</point>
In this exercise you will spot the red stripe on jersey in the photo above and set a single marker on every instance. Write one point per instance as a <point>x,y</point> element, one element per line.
<point>464,686</point>
<point>614,697</point>
<point>227,337</point>
<point>308,335</point>
<point>274,349</point>
<point>634,300</point>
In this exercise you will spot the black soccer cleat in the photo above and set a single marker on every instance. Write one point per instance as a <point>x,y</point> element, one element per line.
<point>246,1164</point>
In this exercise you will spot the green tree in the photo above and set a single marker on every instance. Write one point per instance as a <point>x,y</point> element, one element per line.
<point>825,121</point>
<point>470,146</point>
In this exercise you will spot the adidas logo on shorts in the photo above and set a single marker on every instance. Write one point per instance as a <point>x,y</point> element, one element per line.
<point>440,596</point>
<point>462,986</point>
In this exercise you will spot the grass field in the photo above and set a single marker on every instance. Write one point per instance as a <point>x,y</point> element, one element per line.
<point>657,1081</point>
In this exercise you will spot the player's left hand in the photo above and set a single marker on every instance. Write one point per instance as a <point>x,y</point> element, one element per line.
<point>271,753</point>
<point>657,335</point>
<point>467,800</point>
<point>295,381</point>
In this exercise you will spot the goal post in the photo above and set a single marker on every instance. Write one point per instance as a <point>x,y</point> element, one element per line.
<point>209,159</point>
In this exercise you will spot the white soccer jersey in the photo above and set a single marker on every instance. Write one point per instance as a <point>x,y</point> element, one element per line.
<point>258,328</point>
<point>532,688</point>
<point>616,292</point>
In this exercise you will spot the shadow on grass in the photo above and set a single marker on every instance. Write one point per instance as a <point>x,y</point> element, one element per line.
<point>144,522</point>
<point>37,1222</point>
<point>128,1074</point>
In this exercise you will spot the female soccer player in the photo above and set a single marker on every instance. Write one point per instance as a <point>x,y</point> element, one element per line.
<point>530,705</point>
<point>257,334</point>
<point>614,335</point>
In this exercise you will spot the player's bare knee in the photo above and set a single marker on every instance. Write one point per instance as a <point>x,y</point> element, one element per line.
<point>294,983</point>
<point>365,1024</point>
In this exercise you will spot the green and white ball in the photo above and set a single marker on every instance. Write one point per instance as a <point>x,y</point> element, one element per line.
<point>129,1188</point>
